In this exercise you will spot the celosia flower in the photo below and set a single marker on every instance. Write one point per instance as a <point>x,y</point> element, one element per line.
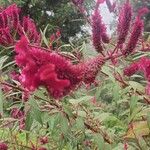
<point>6,38</point>
<point>3,146</point>
<point>142,65</point>
<point>135,35</point>
<point>13,15</point>
<point>49,69</point>
<point>124,22</point>
<point>132,69</point>
<point>29,28</point>
<point>98,29</point>
<point>90,69</point>
<point>10,24</point>
<point>41,68</point>
<point>143,11</point>
<point>2,21</point>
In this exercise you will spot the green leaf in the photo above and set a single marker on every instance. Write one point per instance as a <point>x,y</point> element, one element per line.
<point>29,121</point>
<point>148,119</point>
<point>80,123</point>
<point>36,113</point>
<point>107,147</point>
<point>142,144</point>
<point>133,103</point>
<point>116,94</point>
<point>99,141</point>
<point>64,125</point>
<point>68,110</point>
<point>44,37</point>
<point>80,100</point>
<point>140,128</point>
<point>2,60</point>
<point>1,101</point>
<point>54,121</point>
<point>136,86</point>
<point>108,71</point>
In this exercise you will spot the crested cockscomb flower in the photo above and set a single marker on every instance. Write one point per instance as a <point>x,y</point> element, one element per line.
<point>135,35</point>
<point>41,68</point>
<point>51,70</point>
<point>124,22</point>
<point>3,146</point>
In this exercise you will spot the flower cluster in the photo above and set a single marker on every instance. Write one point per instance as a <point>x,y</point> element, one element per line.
<point>51,70</point>
<point>99,34</point>
<point>142,65</point>
<point>124,22</point>
<point>11,25</point>
<point>135,34</point>
<point>98,29</point>
<point>124,25</point>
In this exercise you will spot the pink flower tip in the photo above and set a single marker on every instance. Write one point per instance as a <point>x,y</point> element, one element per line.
<point>3,146</point>
<point>143,11</point>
